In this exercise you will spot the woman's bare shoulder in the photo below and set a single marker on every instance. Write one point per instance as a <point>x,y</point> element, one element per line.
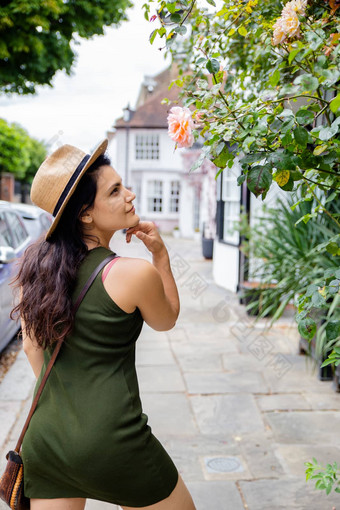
<point>130,280</point>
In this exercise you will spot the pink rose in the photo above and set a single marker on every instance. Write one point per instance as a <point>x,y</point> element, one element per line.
<point>180,126</point>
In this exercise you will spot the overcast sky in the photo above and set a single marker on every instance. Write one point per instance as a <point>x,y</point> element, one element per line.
<point>107,75</point>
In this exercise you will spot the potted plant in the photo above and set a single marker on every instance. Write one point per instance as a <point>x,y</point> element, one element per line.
<point>176,232</point>
<point>207,242</point>
<point>197,234</point>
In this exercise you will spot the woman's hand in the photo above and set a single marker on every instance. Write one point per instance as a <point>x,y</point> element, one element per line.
<point>147,232</point>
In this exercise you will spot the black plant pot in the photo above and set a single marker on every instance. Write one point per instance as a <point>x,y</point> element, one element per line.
<point>207,247</point>
<point>336,379</point>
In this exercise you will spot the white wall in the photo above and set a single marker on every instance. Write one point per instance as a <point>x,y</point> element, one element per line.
<point>225,265</point>
<point>186,207</point>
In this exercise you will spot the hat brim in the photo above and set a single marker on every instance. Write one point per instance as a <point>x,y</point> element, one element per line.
<point>99,150</point>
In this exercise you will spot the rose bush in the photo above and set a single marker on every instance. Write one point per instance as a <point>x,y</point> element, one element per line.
<point>264,78</point>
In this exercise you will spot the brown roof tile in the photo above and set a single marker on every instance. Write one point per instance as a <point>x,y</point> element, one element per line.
<point>151,113</point>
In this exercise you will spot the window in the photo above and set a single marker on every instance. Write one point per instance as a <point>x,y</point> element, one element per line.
<point>147,146</point>
<point>155,196</point>
<point>231,198</point>
<point>174,196</point>
<point>5,235</point>
<point>18,230</point>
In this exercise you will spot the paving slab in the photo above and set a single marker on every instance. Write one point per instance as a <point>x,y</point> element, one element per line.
<point>197,359</point>
<point>214,382</point>
<point>158,357</point>
<point>283,402</point>
<point>293,456</point>
<point>286,494</point>
<point>296,380</point>
<point>187,453</point>
<point>92,504</point>
<point>304,426</point>
<point>257,449</point>
<point>9,412</point>
<point>169,414</point>
<point>17,385</point>
<point>326,400</point>
<point>215,495</point>
<point>164,378</point>
<point>226,414</point>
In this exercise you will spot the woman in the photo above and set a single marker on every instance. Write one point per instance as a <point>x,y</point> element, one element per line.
<point>88,437</point>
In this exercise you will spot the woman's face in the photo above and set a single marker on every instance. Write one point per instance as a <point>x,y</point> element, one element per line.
<point>113,208</point>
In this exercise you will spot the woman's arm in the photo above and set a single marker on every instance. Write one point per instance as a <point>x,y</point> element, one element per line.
<point>33,351</point>
<point>150,287</point>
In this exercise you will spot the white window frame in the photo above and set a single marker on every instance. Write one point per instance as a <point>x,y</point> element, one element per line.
<point>147,146</point>
<point>155,196</point>
<point>175,191</point>
<point>231,198</point>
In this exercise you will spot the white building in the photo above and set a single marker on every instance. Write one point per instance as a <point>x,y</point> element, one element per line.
<point>144,155</point>
<point>230,266</point>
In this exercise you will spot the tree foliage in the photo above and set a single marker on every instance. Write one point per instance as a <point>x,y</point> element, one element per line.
<point>36,37</point>
<point>20,154</point>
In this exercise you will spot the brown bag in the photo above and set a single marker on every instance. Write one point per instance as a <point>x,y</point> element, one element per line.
<point>12,481</point>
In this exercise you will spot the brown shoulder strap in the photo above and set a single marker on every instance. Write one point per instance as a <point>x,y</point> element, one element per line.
<point>57,349</point>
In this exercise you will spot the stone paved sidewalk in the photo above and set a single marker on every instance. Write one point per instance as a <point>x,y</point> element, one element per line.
<point>234,404</point>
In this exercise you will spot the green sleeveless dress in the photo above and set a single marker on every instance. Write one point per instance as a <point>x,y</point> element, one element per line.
<point>88,437</point>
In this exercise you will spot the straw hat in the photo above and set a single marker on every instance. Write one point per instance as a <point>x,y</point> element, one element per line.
<point>58,176</point>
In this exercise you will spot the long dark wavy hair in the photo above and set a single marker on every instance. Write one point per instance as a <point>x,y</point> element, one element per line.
<point>48,270</point>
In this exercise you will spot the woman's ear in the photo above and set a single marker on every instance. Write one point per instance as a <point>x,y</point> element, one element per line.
<point>85,216</point>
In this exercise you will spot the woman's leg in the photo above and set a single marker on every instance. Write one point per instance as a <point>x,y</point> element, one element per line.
<point>58,504</point>
<point>179,499</point>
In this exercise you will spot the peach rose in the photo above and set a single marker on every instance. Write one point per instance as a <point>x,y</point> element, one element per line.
<point>298,6</point>
<point>180,126</point>
<point>291,24</point>
<point>279,33</point>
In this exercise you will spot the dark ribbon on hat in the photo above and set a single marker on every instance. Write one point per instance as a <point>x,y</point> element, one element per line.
<point>70,184</point>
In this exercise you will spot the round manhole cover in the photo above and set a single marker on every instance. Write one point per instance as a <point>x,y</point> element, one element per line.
<point>224,464</point>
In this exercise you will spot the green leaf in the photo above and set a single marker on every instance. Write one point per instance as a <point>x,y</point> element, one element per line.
<point>327,132</point>
<point>293,54</point>
<point>335,103</point>
<point>304,117</point>
<point>332,248</point>
<point>171,6</point>
<point>275,78</point>
<point>317,300</point>
<point>301,136</point>
<point>181,29</point>
<point>319,149</point>
<point>153,35</point>
<point>307,82</point>
<point>311,289</point>
<point>289,185</point>
<point>241,178</point>
<point>242,30</point>
<point>259,179</point>
<point>333,286</point>
<point>222,159</point>
<point>282,177</point>
<point>175,17</point>
<point>213,65</point>
<point>211,2</point>
<point>307,328</point>
<point>333,330</point>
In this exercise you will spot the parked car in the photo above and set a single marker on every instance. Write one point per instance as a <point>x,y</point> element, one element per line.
<point>20,225</point>
<point>36,220</point>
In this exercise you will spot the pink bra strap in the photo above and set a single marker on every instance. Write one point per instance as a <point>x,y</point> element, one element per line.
<point>108,267</point>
